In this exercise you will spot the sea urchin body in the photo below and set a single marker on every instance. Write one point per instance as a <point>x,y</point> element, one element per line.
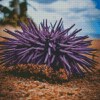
<point>44,46</point>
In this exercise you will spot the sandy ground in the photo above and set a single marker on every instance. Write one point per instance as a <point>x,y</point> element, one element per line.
<point>2,33</point>
<point>28,83</point>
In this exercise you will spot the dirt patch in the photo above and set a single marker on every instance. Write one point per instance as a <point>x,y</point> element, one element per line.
<point>18,84</point>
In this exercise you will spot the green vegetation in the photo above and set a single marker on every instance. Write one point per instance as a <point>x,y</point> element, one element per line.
<point>18,13</point>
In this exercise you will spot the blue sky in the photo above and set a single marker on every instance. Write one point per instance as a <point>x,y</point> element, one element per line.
<point>84,13</point>
<point>97,3</point>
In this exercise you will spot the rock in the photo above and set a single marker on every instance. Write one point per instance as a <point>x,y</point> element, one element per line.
<point>40,93</point>
<point>37,82</point>
<point>32,90</point>
<point>27,94</point>
<point>70,93</point>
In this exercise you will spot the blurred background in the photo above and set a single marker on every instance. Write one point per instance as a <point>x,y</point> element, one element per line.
<point>84,13</point>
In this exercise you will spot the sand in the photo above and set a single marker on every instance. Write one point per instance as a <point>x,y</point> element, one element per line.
<point>2,33</point>
<point>27,85</point>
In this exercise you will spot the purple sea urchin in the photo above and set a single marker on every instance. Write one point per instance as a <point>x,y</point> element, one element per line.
<point>45,46</point>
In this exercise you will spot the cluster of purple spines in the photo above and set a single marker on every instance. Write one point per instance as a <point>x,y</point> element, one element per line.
<point>48,46</point>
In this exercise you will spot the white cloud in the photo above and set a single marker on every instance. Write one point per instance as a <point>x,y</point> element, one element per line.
<point>80,12</point>
<point>34,4</point>
<point>65,5</point>
<point>38,16</point>
<point>41,14</point>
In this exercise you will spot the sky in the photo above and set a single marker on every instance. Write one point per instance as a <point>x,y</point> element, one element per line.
<point>84,14</point>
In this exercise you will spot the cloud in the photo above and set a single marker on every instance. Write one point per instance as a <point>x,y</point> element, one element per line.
<point>45,1</point>
<point>48,10</point>
<point>67,4</point>
<point>92,14</point>
<point>43,12</point>
<point>80,12</point>
<point>77,10</point>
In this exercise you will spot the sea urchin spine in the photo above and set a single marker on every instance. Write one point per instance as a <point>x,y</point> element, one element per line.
<point>44,46</point>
